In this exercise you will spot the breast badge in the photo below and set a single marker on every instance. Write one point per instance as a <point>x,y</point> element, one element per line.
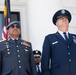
<point>74,39</point>
<point>26,51</point>
<point>25,43</point>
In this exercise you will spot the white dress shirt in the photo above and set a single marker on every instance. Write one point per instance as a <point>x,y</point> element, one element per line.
<point>39,67</point>
<point>61,33</point>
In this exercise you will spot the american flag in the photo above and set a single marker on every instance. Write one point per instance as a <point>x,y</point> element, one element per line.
<point>6,19</point>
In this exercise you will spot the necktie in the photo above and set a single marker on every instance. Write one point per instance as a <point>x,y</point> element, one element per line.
<point>15,41</point>
<point>38,70</point>
<point>66,38</point>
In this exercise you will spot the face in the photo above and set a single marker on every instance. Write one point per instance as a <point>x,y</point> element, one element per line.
<point>62,22</point>
<point>14,30</point>
<point>37,59</point>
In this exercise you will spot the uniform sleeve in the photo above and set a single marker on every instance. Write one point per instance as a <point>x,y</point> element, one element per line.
<point>45,57</point>
<point>32,63</point>
<point>2,47</point>
<point>0,63</point>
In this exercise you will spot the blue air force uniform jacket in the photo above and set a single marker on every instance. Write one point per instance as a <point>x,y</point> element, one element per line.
<point>59,57</point>
<point>17,59</point>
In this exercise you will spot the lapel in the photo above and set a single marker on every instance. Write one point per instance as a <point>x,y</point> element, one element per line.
<point>70,39</point>
<point>62,39</point>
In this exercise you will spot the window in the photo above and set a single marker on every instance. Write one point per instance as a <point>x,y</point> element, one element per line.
<point>15,16</point>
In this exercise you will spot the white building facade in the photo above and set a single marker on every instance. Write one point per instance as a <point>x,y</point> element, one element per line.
<point>36,18</point>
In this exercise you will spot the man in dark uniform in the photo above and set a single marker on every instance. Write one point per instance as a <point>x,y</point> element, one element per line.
<point>37,58</point>
<point>59,49</point>
<point>17,56</point>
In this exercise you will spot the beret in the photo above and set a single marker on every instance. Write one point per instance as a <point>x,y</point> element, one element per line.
<point>11,23</point>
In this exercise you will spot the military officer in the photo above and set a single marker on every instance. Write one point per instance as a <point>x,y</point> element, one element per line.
<point>37,58</point>
<point>59,49</point>
<point>17,56</point>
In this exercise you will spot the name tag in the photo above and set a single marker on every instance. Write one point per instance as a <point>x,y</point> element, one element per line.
<point>55,42</point>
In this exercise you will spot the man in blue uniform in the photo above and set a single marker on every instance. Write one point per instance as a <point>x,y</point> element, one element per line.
<point>37,58</point>
<point>59,49</point>
<point>17,56</point>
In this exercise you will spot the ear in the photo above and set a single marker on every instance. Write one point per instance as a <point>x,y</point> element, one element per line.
<point>7,31</point>
<point>56,23</point>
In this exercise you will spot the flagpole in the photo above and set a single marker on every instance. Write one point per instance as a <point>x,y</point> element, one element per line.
<point>6,19</point>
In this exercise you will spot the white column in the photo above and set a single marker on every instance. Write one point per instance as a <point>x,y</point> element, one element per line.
<point>40,24</point>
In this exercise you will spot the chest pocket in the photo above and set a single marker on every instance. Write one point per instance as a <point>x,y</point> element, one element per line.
<point>55,65</point>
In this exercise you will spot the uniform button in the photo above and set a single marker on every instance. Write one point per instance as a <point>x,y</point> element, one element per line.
<point>19,61</point>
<point>68,46</point>
<point>7,46</point>
<point>18,55</point>
<point>17,46</point>
<point>68,53</point>
<point>26,47</point>
<point>17,50</point>
<point>7,49</point>
<point>69,60</point>
<point>19,66</point>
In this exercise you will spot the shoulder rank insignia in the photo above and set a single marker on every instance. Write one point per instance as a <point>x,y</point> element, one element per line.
<point>6,42</point>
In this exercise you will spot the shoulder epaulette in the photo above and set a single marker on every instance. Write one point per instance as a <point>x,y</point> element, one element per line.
<point>2,40</point>
<point>26,41</point>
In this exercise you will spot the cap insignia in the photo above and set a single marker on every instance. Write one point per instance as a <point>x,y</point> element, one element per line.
<point>63,11</point>
<point>36,51</point>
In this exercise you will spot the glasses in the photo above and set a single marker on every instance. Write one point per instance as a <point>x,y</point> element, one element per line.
<point>17,26</point>
<point>37,57</point>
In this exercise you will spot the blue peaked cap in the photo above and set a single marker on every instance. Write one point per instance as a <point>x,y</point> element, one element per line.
<point>14,22</point>
<point>61,13</point>
<point>36,53</point>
